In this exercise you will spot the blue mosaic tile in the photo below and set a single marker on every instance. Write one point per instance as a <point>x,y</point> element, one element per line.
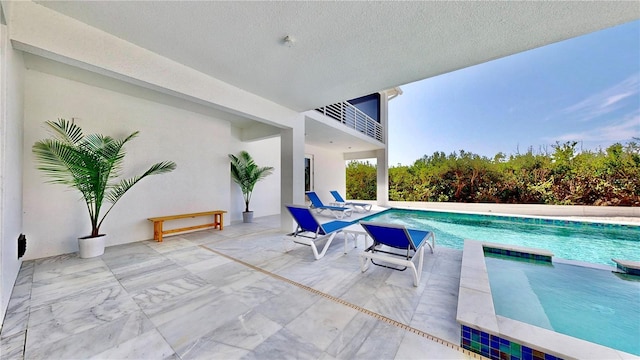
<point>484,350</point>
<point>497,348</point>
<point>518,254</point>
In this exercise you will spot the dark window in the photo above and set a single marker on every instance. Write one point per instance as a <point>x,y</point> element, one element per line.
<point>307,174</point>
<point>369,105</point>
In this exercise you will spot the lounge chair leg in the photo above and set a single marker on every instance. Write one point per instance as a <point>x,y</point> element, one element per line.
<point>324,249</point>
<point>416,277</point>
<point>314,249</point>
<point>433,242</point>
<point>346,240</point>
<point>417,273</point>
<point>364,263</point>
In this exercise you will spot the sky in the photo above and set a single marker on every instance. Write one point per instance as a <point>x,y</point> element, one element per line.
<point>585,89</point>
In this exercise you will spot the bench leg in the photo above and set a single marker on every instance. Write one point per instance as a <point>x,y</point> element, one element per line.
<point>157,231</point>
<point>219,221</point>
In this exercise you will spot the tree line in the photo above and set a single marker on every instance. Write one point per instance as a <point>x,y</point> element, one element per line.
<point>563,176</point>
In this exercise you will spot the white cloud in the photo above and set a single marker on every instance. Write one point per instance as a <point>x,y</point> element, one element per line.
<point>615,98</point>
<point>619,131</point>
<point>606,101</point>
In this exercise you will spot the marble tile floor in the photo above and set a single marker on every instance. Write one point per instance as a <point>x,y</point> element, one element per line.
<point>231,294</point>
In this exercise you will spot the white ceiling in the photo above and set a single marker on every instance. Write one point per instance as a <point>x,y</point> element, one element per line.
<point>341,50</point>
<point>324,136</point>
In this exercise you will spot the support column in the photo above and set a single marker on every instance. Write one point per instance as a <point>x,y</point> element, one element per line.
<point>292,172</point>
<point>382,155</point>
<point>382,177</point>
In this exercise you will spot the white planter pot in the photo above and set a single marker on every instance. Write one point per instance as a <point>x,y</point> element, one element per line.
<point>247,216</point>
<point>91,246</point>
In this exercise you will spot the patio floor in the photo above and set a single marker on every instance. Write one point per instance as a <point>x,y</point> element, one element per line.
<point>232,294</point>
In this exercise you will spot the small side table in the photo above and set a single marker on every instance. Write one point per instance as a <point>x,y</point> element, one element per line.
<point>355,230</point>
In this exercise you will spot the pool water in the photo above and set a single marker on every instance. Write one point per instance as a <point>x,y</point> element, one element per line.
<point>594,243</point>
<point>587,303</point>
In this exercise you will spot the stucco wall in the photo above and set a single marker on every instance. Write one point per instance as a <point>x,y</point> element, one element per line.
<point>329,172</point>
<point>11,104</point>
<point>54,216</point>
<point>266,194</point>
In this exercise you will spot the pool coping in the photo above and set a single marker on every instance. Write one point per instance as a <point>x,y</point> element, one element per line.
<point>600,214</point>
<point>476,310</point>
<point>557,220</point>
<point>627,266</point>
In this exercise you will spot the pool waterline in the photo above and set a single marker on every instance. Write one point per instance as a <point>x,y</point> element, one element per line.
<point>561,297</point>
<point>476,311</point>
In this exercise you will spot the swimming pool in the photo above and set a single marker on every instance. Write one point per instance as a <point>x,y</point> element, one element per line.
<point>562,298</point>
<point>496,336</point>
<point>574,240</point>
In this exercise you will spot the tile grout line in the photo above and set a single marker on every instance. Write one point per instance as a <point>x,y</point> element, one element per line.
<point>353,306</point>
<point>28,310</point>
<point>26,330</point>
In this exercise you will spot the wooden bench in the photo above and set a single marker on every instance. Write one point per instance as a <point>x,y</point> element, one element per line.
<point>158,232</point>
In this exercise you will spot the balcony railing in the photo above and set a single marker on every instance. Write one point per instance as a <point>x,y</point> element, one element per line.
<point>354,118</point>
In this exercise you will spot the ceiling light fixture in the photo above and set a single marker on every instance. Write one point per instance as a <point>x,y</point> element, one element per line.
<point>288,41</point>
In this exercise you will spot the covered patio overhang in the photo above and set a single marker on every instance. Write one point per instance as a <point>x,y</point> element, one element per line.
<point>227,61</point>
<point>337,50</point>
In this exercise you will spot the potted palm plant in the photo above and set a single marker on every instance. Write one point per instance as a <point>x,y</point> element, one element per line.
<point>90,164</point>
<point>246,173</point>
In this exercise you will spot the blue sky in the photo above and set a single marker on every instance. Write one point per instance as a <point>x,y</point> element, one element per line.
<point>585,89</point>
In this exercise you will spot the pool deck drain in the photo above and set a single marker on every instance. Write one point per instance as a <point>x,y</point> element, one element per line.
<point>352,306</point>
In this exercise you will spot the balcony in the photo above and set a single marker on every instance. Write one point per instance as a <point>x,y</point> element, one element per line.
<point>354,118</point>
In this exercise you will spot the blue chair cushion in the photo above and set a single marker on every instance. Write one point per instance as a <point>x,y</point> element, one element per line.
<point>335,225</point>
<point>395,236</point>
<point>418,237</point>
<point>315,200</point>
<point>305,219</point>
<point>337,196</point>
<point>307,222</point>
<point>390,236</point>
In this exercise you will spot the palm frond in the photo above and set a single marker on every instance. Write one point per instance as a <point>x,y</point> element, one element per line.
<point>246,174</point>
<point>65,131</point>
<point>121,188</point>
<point>88,164</point>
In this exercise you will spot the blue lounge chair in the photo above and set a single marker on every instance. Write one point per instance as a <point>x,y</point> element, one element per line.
<point>387,237</point>
<point>338,211</point>
<point>309,230</point>
<point>360,207</point>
